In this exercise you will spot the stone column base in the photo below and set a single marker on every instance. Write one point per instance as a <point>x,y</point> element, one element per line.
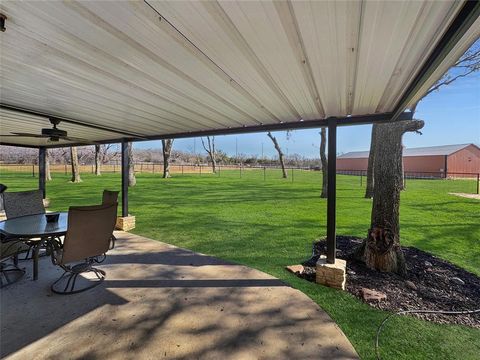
<point>125,223</point>
<point>331,275</point>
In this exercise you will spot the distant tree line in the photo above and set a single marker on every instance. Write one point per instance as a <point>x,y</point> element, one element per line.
<point>105,154</point>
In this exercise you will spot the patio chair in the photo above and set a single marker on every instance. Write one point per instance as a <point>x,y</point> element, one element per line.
<point>24,203</point>
<point>86,243</point>
<point>110,197</point>
<point>9,270</point>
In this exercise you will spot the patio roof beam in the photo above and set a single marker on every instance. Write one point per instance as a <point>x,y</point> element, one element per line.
<point>42,175</point>
<point>459,26</point>
<point>299,125</point>
<point>70,121</point>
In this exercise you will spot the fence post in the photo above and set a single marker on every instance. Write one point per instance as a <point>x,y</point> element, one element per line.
<point>240,171</point>
<point>33,170</point>
<point>114,170</point>
<point>264,173</point>
<point>478,183</point>
<point>65,169</point>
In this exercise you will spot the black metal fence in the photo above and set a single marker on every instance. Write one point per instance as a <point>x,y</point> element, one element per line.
<point>241,171</point>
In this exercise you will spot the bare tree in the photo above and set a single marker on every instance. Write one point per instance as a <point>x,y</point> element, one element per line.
<point>323,159</point>
<point>167,145</point>
<point>468,64</point>
<point>381,250</point>
<point>75,167</point>
<point>98,171</point>
<point>48,174</point>
<point>280,154</point>
<point>132,180</point>
<point>210,149</point>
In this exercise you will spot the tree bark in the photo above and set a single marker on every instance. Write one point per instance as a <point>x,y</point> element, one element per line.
<point>211,151</point>
<point>280,154</point>
<point>371,161</point>
<point>132,180</point>
<point>75,167</point>
<point>381,250</point>
<point>323,159</point>
<point>167,151</point>
<point>48,174</point>
<point>97,160</point>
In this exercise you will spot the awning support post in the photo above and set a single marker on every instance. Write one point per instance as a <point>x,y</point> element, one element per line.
<point>125,169</point>
<point>42,163</point>
<point>331,190</point>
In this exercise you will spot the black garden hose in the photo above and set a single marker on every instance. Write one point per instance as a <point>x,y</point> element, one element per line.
<point>379,330</point>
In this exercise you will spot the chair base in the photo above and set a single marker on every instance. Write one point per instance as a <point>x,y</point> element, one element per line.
<point>65,285</point>
<point>10,274</point>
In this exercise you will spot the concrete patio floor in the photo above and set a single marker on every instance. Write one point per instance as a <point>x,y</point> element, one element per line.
<point>163,302</point>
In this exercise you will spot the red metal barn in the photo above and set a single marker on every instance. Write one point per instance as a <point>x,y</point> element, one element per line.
<point>434,161</point>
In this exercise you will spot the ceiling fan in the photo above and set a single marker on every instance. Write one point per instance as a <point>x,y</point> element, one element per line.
<point>53,134</point>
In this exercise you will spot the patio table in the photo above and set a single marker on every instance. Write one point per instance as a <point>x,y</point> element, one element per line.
<point>34,229</point>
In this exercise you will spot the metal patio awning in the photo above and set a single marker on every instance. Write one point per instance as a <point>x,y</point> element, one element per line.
<point>153,69</point>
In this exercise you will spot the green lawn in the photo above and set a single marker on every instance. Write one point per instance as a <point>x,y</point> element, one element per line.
<point>270,224</point>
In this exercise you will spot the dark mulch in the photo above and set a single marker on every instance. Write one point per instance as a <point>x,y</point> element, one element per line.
<point>433,287</point>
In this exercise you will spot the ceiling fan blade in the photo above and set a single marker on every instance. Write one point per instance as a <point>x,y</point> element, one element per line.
<point>79,140</point>
<point>27,135</point>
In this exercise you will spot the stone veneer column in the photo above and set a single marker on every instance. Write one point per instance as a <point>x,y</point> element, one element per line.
<point>331,275</point>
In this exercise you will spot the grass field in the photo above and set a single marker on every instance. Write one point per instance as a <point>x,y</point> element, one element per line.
<point>270,224</point>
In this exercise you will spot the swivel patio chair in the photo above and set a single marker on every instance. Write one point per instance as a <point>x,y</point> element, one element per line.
<point>86,243</point>
<point>110,197</point>
<point>9,270</point>
<point>24,203</point>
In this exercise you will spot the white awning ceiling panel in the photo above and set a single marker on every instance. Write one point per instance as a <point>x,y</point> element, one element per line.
<point>167,67</point>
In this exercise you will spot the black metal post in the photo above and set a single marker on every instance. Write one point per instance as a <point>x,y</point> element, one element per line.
<point>125,168</point>
<point>478,183</point>
<point>42,163</point>
<point>331,190</point>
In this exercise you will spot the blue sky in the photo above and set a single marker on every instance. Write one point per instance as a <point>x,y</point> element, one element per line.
<point>451,115</point>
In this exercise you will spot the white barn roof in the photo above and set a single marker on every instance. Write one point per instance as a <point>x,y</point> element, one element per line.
<point>156,68</point>
<point>420,151</point>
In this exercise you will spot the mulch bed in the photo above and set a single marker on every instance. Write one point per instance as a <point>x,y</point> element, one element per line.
<point>429,284</point>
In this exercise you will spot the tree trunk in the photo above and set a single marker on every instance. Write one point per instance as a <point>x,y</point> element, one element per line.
<point>48,174</point>
<point>211,151</point>
<point>371,163</point>
<point>167,151</point>
<point>381,250</point>
<point>75,166</point>
<point>280,154</point>
<point>132,180</point>
<point>97,160</point>
<point>323,158</point>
